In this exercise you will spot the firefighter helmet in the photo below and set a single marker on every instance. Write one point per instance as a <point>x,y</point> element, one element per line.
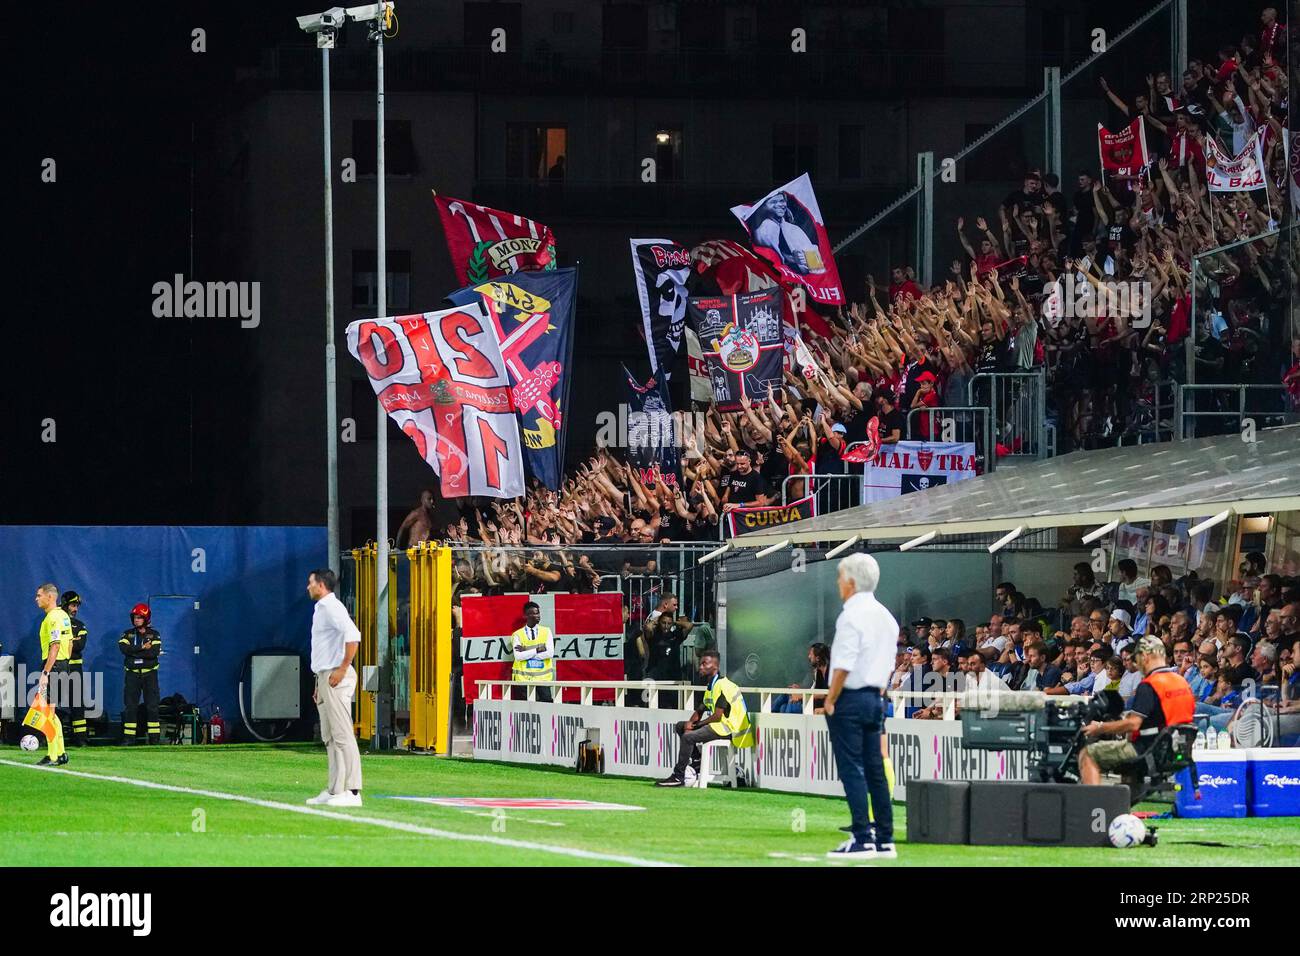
<point>141,610</point>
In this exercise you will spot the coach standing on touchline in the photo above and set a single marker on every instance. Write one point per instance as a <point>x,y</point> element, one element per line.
<point>334,641</point>
<point>862,658</point>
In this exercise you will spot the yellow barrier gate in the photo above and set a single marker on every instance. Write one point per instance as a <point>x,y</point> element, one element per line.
<point>363,704</point>
<point>430,643</point>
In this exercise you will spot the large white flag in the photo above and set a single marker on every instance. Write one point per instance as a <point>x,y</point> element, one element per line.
<point>441,378</point>
<point>1240,173</point>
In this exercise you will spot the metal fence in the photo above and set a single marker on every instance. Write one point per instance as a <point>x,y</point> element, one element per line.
<point>1017,411</point>
<point>964,423</point>
<point>833,492</point>
<point>1202,410</point>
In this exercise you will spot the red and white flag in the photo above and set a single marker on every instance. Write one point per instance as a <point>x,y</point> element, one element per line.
<point>1235,174</point>
<point>587,630</point>
<point>441,378</point>
<point>486,243</point>
<point>787,229</point>
<point>1124,153</point>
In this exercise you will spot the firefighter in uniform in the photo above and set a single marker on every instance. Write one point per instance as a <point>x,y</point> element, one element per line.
<point>140,646</point>
<point>534,653</point>
<point>71,604</point>
<point>1163,699</point>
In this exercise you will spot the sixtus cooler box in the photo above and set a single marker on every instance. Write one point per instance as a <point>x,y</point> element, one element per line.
<point>1274,775</point>
<point>1223,776</point>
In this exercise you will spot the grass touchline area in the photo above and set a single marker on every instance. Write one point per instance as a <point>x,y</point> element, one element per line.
<point>243,805</point>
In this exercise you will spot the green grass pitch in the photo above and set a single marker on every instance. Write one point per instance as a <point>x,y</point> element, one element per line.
<point>66,820</point>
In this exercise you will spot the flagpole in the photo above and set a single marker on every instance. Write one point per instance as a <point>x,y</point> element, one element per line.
<point>331,374</point>
<point>381,725</point>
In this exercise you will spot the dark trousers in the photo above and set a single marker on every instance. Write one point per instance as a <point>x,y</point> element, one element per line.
<point>138,685</point>
<point>855,738</point>
<point>77,705</point>
<point>520,692</point>
<point>688,744</point>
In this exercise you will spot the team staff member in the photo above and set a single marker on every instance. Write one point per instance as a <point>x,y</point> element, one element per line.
<point>1162,699</point>
<point>56,645</point>
<point>534,654</point>
<point>140,645</point>
<point>721,714</point>
<point>862,658</point>
<point>71,604</point>
<point>334,643</point>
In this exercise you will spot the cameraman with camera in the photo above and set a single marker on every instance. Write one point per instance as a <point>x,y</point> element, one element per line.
<point>1162,698</point>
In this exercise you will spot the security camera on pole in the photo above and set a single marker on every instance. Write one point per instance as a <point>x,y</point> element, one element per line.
<point>325,26</point>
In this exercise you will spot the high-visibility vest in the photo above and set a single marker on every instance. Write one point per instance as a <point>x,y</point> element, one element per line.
<point>734,724</point>
<point>1177,702</point>
<point>537,668</point>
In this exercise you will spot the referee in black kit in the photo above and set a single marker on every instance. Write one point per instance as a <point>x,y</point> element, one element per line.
<point>862,658</point>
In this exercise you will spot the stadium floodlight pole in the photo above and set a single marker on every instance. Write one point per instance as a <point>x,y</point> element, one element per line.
<point>1101,532</point>
<point>325,26</point>
<point>773,548</point>
<point>1209,523</point>
<point>918,541</point>
<point>379,16</point>
<point>843,546</point>
<point>1006,539</point>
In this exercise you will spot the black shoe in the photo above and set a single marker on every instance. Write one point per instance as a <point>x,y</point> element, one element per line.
<point>63,758</point>
<point>846,829</point>
<point>44,761</point>
<point>673,781</point>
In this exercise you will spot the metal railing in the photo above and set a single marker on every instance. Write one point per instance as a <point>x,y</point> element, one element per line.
<point>833,492</point>
<point>965,423</point>
<point>1017,411</point>
<point>1229,419</point>
<point>679,694</point>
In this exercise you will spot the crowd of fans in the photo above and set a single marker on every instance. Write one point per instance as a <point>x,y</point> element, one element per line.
<point>1003,310</point>
<point>1232,643</point>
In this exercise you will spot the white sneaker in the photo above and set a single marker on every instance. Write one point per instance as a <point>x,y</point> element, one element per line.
<point>886,851</point>
<point>320,797</point>
<point>345,799</point>
<point>851,849</point>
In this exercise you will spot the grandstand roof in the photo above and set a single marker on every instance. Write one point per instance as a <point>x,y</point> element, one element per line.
<point>1196,478</point>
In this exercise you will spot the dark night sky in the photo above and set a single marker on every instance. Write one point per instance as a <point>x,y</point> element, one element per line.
<point>112,101</point>
<point>148,411</point>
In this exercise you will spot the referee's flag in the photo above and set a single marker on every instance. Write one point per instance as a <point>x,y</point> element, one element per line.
<point>40,716</point>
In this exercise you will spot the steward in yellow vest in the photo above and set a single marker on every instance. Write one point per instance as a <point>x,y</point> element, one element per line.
<point>722,714</point>
<point>534,653</point>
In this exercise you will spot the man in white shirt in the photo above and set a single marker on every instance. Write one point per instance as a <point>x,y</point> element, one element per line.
<point>334,643</point>
<point>862,658</point>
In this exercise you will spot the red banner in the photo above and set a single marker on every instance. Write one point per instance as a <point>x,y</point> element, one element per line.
<point>587,630</point>
<point>1123,154</point>
<point>487,243</point>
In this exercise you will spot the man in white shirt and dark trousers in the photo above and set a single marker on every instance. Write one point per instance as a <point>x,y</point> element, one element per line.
<point>334,642</point>
<point>862,658</point>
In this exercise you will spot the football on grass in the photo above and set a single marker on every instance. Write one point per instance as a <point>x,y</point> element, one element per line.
<point>29,742</point>
<point>1126,830</point>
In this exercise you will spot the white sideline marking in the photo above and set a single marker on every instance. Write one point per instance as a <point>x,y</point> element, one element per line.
<point>348,818</point>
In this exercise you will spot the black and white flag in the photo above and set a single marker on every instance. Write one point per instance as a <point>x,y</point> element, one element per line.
<point>661,267</point>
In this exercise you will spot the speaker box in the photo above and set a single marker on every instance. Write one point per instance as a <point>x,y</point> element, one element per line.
<point>938,811</point>
<point>1043,814</point>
